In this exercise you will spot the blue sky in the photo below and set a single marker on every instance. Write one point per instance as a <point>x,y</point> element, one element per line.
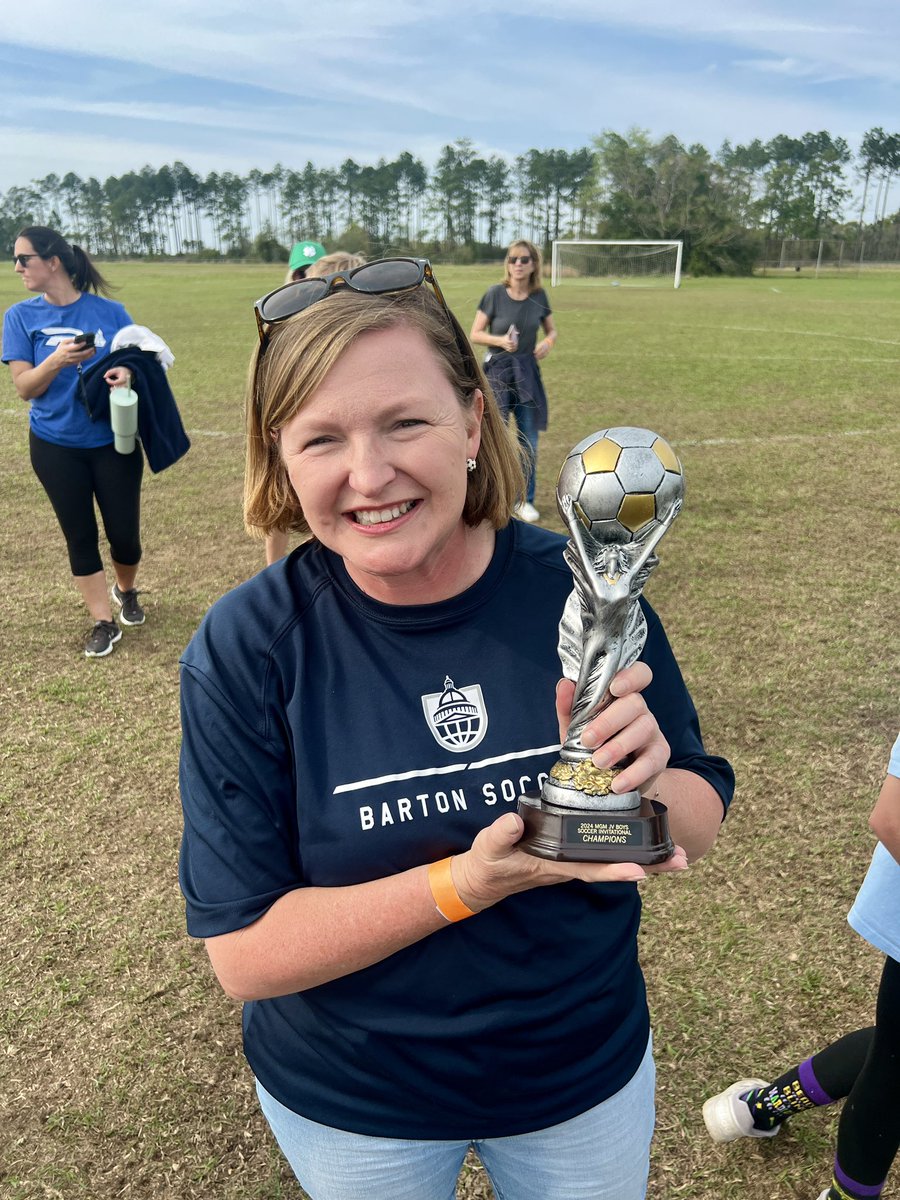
<point>105,88</point>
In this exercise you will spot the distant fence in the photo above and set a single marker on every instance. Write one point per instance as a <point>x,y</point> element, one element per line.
<point>830,255</point>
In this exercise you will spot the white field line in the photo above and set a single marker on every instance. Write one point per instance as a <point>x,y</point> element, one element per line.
<point>612,322</point>
<point>814,333</point>
<point>724,441</point>
<point>625,356</point>
<point>769,331</point>
<point>192,433</point>
<point>786,437</point>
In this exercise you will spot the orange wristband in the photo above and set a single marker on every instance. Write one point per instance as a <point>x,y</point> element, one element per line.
<point>446,897</point>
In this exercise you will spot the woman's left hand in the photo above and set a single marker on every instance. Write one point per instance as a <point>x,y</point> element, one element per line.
<point>543,348</point>
<point>118,377</point>
<point>625,727</point>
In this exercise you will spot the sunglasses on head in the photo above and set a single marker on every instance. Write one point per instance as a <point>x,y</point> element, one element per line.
<point>371,279</point>
<point>377,278</point>
<point>524,259</point>
<point>23,259</point>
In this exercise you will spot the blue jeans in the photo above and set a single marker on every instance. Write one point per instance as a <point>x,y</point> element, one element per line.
<point>526,415</point>
<point>603,1154</point>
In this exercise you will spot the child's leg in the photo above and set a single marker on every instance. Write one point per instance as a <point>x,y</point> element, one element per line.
<point>821,1079</point>
<point>869,1129</point>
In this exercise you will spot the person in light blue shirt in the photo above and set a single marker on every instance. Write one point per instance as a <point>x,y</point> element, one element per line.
<point>861,1066</point>
<point>46,342</point>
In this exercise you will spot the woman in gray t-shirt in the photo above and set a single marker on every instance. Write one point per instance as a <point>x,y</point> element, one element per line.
<point>510,316</point>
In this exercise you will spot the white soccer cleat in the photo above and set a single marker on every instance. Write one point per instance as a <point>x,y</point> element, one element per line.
<point>728,1118</point>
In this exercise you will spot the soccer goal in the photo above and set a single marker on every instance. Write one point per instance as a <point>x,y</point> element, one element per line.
<point>629,264</point>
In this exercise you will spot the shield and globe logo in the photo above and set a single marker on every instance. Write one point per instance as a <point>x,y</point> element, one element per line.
<point>456,716</point>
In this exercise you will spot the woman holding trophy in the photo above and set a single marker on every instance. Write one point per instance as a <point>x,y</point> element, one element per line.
<point>356,720</point>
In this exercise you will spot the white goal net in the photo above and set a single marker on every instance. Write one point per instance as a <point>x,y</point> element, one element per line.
<point>629,264</point>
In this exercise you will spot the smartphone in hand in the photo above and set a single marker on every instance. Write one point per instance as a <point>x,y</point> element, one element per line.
<point>85,340</point>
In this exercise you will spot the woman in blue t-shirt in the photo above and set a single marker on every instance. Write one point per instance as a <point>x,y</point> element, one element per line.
<point>510,316</point>
<point>46,341</point>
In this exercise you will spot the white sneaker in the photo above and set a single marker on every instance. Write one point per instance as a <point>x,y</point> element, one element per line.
<point>727,1117</point>
<point>527,512</point>
<point>824,1195</point>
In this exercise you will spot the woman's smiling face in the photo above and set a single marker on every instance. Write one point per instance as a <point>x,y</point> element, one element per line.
<point>377,458</point>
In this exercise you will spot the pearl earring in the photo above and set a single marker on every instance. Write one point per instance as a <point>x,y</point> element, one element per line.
<point>471,464</point>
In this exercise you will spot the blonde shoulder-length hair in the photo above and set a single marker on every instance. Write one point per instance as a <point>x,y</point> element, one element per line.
<point>535,280</point>
<point>287,369</point>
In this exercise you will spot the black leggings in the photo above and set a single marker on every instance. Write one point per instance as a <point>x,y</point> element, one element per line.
<point>72,478</point>
<point>869,1128</point>
<point>865,1067</point>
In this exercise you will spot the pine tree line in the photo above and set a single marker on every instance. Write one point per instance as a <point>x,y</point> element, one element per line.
<point>724,206</point>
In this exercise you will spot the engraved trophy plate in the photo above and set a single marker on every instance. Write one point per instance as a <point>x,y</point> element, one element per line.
<point>618,492</point>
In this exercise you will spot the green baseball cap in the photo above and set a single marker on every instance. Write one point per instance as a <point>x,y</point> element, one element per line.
<point>304,254</point>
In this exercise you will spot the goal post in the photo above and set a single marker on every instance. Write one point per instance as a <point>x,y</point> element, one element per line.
<point>629,263</point>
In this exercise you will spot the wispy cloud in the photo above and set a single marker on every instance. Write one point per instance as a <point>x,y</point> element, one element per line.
<point>780,66</point>
<point>225,85</point>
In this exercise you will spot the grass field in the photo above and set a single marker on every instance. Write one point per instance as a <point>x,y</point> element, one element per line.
<point>121,1072</point>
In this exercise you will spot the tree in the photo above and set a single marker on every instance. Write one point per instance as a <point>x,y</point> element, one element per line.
<point>495,193</point>
<point>870,156</point>
<point>19,208</point>
<point>411,180</point>
<point>825,159</point>
<point>348,176</point>
<point>744,167</point>
<point>71,189</point>
<point>579,170</point>
<point>254,186</point>
<point>455,185</point>
<point>231,197</point>
<point>95,214</point>
<point>190,195</point>
<point>624,185</point>
<point>879,156</point>
<point>663,190</point>
<point>804,189</point>
<point>49,188</point>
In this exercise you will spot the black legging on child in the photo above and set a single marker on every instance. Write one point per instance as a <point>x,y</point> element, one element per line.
<point>72,478</point>
<point>869,1128</point>
<point>864,1067</point>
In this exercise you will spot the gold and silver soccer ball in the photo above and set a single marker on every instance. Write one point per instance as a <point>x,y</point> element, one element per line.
<point>622,482</point>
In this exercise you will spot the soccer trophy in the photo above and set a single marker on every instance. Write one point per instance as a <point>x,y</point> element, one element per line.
<point>619,490</point>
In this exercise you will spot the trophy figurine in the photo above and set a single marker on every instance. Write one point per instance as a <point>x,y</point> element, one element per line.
<point>619,490</point>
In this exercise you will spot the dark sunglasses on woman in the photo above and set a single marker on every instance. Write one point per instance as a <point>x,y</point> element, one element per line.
<point>524,259</point>
<point>377,278</point>
<point>371,279</point>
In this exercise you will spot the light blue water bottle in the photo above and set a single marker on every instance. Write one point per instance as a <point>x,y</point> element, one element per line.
<point>123,416</point>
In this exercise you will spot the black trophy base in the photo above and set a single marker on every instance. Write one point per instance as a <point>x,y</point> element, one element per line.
<point>637,835</point>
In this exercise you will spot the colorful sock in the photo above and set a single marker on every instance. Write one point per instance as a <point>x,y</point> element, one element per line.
<point>845,1188</point>
<point>791,1093</point>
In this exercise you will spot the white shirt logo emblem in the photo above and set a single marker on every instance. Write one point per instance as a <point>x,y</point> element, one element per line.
<point>60,333</point>
<point>456,716</point>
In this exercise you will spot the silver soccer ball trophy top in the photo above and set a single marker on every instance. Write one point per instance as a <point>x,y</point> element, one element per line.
<point>619,490</point>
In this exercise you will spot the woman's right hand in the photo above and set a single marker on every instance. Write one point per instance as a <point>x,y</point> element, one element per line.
<point>495,867</point>
<point>70,353</point>
<point>505,342</point>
